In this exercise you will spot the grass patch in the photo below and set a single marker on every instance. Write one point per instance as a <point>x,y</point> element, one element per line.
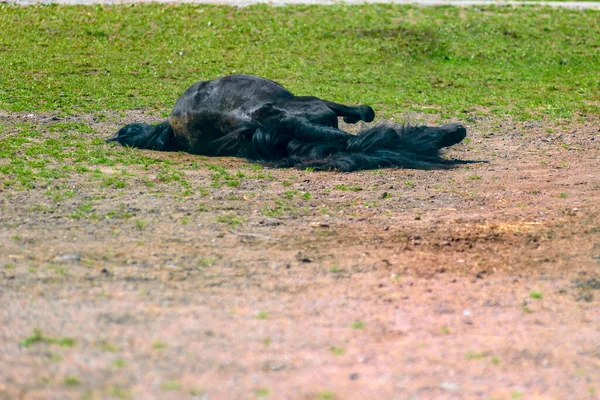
<point>159,345</point>
<point>221,176</point>
<point>474,355</point>
<point>96,59</point>
<point>54,357</point>
<point>47,160</point>
<point>358,324</point>
<point>75,59</point>
<point>281,208</point>
<point>536,295</point>
<point>337,351</point>
<point>262,315</point>
<point>171,385</point>
<point>348,188</point>
<point>325,395</point>
<point>262,392</point>
<point>231,219</point>
<point>119,392</point>
<point>335,269</point>
<point>141,223</point>
<point>37,337</point>
<point>119,363</point>
<point>107,346</point>
<point>72,381</point>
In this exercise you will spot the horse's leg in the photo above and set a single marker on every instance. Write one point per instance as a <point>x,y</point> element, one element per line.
<point>300,118</point>
<point>309,131</point>
<point>324,112</point>
<point>351,114</point>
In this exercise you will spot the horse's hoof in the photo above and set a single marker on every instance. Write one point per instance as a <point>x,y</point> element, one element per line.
<point>451,135</point>
<point>369,114</point>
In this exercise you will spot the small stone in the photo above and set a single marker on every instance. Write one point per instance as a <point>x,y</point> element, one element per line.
<point>303,257</point>
<point>277,367</point>
<point>67,257</point>
<point>449,386</point>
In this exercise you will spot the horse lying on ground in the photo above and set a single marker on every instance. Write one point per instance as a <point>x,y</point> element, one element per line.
<point>252,117</point>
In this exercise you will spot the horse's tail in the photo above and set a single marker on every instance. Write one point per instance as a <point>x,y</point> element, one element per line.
<point>144,136</point>
<point>399,146</point>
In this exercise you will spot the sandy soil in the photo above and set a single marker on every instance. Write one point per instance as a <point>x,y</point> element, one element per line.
<point>479,282</point>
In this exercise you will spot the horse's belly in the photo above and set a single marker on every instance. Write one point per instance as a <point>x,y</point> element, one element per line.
<point>196,132</point>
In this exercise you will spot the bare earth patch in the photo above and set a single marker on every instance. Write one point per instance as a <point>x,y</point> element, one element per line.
<point>478,282</point>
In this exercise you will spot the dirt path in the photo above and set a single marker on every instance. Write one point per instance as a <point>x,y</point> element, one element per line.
<point>479,282</point>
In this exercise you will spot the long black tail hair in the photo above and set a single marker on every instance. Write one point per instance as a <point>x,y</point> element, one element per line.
<point>386,145</point>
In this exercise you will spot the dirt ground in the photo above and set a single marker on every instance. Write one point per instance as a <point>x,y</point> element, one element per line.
<point>481,282</point>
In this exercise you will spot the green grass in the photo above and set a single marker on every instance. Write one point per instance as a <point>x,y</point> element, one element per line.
<point>358,324</point>
<point>37,337</point>
<point>32,161</point>
<point>101,60</point>
<point>119,392</point>
<point>231,219</point>
<point>536,295</point>
<point>71,381</point>
<point>325,395</point>
<point>141,224</point>
<point>472,355</point>
<point>337,351</point>
<point>119,363</point>
<point>107,346</point>
<point>171,385</point>
<point>262,315</point>
<point>159,345</point>
<point>348,188</point>
<point>262,392</point>
<point>527,61</point>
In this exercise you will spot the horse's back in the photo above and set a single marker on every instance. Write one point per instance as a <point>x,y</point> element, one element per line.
<point>242,93</point>
<point>211,109</point>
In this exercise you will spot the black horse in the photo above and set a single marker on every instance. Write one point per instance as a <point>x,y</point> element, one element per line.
<point>252,117</point>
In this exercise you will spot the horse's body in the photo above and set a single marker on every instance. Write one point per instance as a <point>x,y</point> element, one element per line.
<point>252,117</point>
